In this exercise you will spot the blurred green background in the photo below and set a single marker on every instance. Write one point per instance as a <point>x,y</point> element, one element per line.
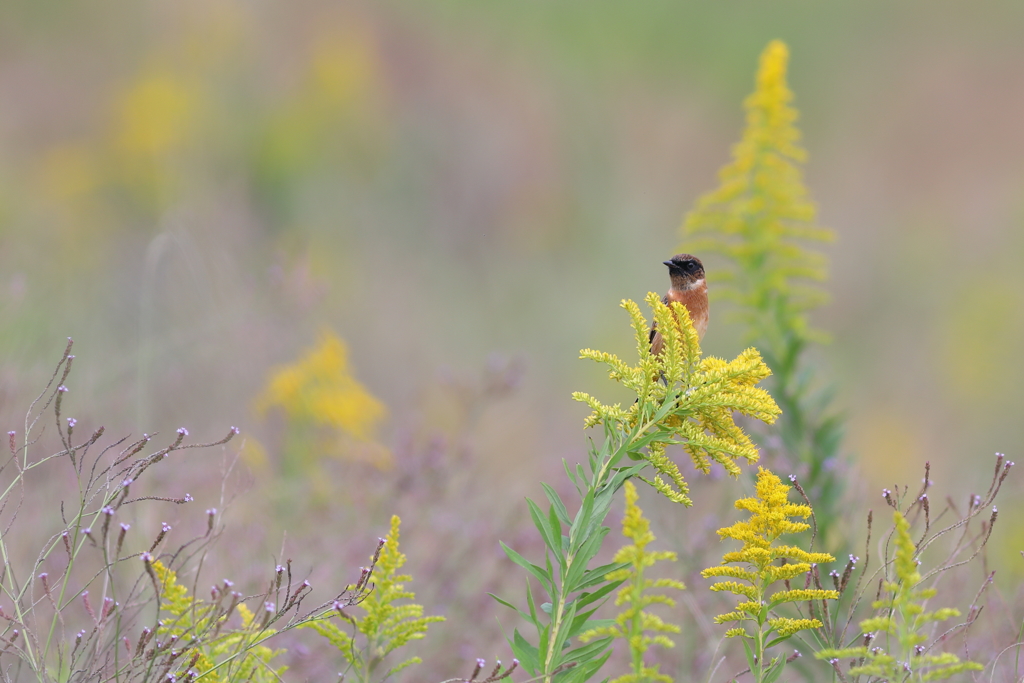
<point>463,191</point>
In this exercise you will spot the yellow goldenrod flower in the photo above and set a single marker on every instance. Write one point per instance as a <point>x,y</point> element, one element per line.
<point>761,215</point>
<point>200,626</point>
<point>634,625</point>
<point>386,626</point>
<point>770,517</point>
<point>682,397</point>
<point>318,391</point>
<point>904,622</point>
<point>156,114</point>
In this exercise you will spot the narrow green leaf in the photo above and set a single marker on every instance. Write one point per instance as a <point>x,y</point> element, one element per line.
<point>580,621</point>
<point>597,575</point>
<point>563,633</point>
<point>584,672</point>
<point>588,598</point>
<point>750,654</point>
<point>569,473</point>
<point>533,607</point>
<point>540,521</point>
<point>525,653</point>
<point>555,524</point>
<point>775,670</point>
<point>586,653</point>
<point>624,473</point>
<point>537,572</point>
<point>582,558</point>
<point>523,614</point>
<point>556,503</point>
<point>583,517</point>
<point>601,505</point>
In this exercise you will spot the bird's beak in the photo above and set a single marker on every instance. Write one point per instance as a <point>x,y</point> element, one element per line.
<point>669,264</point>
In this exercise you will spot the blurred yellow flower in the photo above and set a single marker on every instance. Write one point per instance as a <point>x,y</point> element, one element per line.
<point>156,115</point>
<point>319,389</point>
<point>761,216</point>
<point>344,69</point>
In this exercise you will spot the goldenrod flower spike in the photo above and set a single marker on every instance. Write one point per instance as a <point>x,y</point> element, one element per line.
<point>208,643</point>
<point>682,398</point>
<point>386,625</point>
<point>322,398</point>
<point>770,517</point>
<point>904,622</point>
<point>634,624</point>
<point>761,215</point>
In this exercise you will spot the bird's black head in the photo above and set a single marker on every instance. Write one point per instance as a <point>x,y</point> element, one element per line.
<point>685,266</point>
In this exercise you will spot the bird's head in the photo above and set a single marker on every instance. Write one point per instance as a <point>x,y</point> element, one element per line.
<point>685,270</point>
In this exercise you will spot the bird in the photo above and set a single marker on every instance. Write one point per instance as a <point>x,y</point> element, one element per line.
<point>688,288</point>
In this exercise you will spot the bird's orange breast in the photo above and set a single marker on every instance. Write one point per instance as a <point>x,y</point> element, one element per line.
<point>696,301</point>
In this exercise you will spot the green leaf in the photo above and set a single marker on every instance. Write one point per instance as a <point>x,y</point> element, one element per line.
<point>545,580</point>
<point>556,528</point>
<point>581,621</point>
<point>602,504</point>
<point>533,607</point>
<point>563,633</point>
<point>556,503</point>
<point>579,524</point>
<point>572,476</point>
<point>623,474</point>
<point>541,522</point>
<point>523,614</point>
<point>584,672</point>
<point>751,660</point>
<point>587,652</point>
<point>597,575</point>
<point>587,598</point>
<point>526,654</point>
<point>579,565</point>
<point>775,670</point>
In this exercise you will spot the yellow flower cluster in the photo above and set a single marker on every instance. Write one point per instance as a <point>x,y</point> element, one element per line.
<point>634,624</point>
<point>904,619</point>
<point>770,513</point>
<point>386,626</point>
<point>761,211</point>
<point>221,654</point>
<point>682,397</point>
<point>319,390</point>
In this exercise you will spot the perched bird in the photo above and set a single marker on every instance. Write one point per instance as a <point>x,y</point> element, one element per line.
<point>688,288</point>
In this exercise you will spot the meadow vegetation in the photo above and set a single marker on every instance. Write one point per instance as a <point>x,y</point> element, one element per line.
<point>107,591</point>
